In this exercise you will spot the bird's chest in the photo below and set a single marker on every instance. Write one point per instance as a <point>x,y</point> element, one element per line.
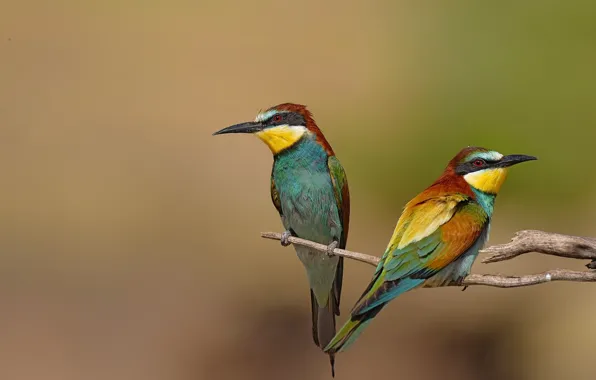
<point>308,202</point>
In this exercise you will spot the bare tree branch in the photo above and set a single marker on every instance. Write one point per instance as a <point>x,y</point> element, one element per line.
<point>529,279</point>
<point>363,258</point>
<point>574,247</point>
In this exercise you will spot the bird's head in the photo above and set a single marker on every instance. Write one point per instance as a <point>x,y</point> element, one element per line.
<point>484,169</point>
<point>281,127</point>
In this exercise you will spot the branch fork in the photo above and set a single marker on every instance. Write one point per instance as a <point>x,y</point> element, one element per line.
<point>573,247</point>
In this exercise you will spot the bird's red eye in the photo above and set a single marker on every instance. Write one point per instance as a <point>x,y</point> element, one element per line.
<point>478,163</point>
<point>277,118</point>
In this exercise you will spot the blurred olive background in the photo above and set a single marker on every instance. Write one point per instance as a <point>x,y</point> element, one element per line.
<point>129,236</point>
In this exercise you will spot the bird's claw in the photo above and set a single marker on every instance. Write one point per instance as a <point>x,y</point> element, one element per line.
<point>592,265</point>
<point>285,238</point>
<point>331,247</point>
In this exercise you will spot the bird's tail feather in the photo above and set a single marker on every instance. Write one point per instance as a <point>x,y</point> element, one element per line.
<point>372,301</point>
<point>323,325</point>
<point>350,331</point>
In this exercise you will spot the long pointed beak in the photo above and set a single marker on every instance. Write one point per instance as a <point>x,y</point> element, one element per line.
<point>514,159</point>
<point>249,127</point>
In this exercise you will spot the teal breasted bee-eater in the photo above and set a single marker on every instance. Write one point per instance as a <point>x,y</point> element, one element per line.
<point>309,189</point>
<point>437,237</point>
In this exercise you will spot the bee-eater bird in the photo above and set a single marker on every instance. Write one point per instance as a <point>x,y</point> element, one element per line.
<point>437,237</point>
<point>309,189</point>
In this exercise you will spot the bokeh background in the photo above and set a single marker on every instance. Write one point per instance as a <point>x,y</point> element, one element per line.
<point>129,236</point>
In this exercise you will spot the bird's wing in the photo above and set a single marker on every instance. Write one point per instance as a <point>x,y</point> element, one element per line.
<point>342,196</point>
<point>342,200</point>
<point>429,236</point>
<point>275,196</point>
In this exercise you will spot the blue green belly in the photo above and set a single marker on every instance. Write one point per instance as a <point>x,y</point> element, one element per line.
<point>309,209</point>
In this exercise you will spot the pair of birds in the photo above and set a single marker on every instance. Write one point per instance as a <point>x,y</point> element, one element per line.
<point>435,242</point>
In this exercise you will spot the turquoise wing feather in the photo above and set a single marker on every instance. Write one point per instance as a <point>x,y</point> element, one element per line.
<point>404,267</point>
<point>342,199</point>
<point>342,196</point>
<point>432,233</point>
<point>275,196</point>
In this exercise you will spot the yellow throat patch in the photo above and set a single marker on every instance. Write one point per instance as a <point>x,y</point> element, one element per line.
<point>488,180</point>
<point>281,137</point>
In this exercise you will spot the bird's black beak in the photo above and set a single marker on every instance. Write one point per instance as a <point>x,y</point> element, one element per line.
<point>249,127</point>
<point>514,159</point>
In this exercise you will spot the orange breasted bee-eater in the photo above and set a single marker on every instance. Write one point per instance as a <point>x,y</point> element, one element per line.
<point>437,237</point>
<point>309,189</point>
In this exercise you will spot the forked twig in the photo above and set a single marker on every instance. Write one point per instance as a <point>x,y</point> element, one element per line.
<point>574,247</point>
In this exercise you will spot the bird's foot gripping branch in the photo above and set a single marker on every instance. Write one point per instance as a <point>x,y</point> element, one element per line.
<point>573,247</point>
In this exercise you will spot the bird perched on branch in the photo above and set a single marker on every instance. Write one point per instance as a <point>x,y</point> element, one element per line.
<point>309,189</point>
<point>437,237</point>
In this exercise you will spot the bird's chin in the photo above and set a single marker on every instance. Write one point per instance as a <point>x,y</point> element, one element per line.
<point>281,137</point>
<point>488,180</point>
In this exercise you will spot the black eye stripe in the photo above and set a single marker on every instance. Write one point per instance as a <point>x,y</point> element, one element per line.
<point>469,166</point>
<point>290,118</point>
